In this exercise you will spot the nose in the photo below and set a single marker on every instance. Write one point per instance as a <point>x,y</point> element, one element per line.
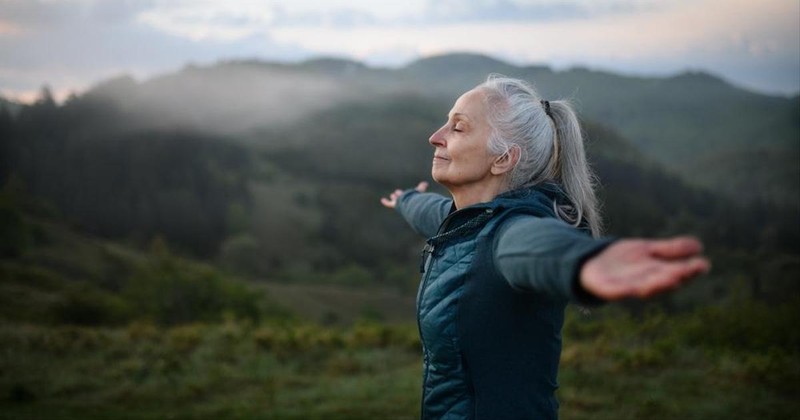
<point>437,138</point>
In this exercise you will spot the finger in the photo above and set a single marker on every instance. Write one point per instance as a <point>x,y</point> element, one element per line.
<point>670,276</point>
<point>388,202</point>
<point>678,247</point>
<point>422,186</point>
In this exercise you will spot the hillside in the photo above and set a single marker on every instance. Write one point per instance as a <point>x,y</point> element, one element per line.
<point>10,106</point>
<point>694,124</point>
<point>273,171</point>
<point>60,276</point>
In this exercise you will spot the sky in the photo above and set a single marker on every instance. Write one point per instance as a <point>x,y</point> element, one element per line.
<point>70,45</point>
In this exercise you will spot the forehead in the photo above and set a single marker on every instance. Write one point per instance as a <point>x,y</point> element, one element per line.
<point>472,104</point>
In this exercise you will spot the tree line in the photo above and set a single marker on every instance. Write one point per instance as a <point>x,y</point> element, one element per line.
<point>299,200</point>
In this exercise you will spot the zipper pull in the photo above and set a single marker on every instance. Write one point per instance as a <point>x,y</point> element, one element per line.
<point>427,250</point>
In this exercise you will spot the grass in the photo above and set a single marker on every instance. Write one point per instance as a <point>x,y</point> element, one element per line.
<point>613,367</point>
<point>342,353</point>
<point>208,371</point>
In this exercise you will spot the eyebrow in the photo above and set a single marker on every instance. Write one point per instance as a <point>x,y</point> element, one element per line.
<point>460,115</point>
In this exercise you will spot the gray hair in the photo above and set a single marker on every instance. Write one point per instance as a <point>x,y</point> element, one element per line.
<point>550,144</point>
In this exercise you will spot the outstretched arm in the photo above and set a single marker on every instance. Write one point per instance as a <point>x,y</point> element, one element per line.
<point>391,201</point>
<point>545,255</point>
<point>423,211</point>
<point>642,268</point>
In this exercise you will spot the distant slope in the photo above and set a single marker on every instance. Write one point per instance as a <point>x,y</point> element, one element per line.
<point>10,106</point>
<point>295,200</point>
<point>692,123</point>
<point>70,277</point>
<point>684,121</point>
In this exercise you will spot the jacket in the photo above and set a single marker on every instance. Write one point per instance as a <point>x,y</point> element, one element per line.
<point>490,306</point>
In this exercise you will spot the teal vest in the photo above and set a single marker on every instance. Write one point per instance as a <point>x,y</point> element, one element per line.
<point>490,352</point>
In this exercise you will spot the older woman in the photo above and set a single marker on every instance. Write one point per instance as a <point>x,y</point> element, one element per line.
<point>518,239</point>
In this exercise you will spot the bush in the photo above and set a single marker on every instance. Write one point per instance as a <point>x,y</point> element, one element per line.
<point>15,234</point>
<point>171,291</point>
<point>352,275</point>
<point>86,306</point>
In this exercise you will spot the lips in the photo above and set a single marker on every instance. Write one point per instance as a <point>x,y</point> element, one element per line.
<point>435,157</point>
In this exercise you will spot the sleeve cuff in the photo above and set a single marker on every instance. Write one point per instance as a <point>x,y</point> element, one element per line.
<point>581,295</point>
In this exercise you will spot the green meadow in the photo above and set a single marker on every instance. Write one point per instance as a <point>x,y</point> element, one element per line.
<point>716,363</point>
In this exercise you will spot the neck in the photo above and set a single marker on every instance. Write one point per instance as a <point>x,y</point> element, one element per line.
<point>467,195</point>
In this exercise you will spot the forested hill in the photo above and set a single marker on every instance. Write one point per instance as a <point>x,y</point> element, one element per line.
<point>699,126</point>
<point>274,170</point>
<point>705,130</point>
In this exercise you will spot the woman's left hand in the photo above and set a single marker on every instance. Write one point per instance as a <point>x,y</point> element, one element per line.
<point>642,268</point>
<point>391,202</point>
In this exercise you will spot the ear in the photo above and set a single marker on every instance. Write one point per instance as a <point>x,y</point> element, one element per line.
<point>505,163</point>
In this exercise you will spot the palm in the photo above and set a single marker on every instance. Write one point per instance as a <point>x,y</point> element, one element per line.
<point>391,201</point>
<point>642,268</point>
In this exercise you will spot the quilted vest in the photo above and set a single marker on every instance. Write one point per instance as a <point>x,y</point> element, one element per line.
<point>490,352</point>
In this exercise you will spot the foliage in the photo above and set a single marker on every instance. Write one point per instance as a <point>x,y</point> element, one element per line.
<point>613,366</point>
<point>136,186</point>
<point>67,278</point>
<point>15,234</point>
<point>297,200</point>
<point>91,327</point>
<point>174,292</point>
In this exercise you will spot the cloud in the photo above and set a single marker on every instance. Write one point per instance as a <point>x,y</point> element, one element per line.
<point>34,15</point>
<point>454,11</point>
<point>201,20</point>
<point>71,44</point>
<point>119,11</point>
<point>751,44</point>
<point>437,12</point>
<point>338,18</point>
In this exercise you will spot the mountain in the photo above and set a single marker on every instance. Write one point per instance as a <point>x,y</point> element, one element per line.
<point>710,133</point>
<point>273,171</point>
<point>692,123</point>
<point>10,106</point>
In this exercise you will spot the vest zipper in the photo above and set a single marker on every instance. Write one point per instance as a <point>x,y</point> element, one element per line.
<point>427,254</point>
<point>426,359</point>
<point>428,249</point>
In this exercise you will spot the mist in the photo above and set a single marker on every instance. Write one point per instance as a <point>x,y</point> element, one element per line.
<point>225,99</point>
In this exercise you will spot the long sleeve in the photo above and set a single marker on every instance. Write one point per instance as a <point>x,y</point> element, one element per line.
<point>424,211</point>
<point>545,255</point>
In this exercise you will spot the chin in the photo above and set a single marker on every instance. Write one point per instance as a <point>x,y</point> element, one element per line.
<point>440,180</point>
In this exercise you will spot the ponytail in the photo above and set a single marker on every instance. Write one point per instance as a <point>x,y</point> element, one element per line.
<point>550,140</point>
<point>571,169</point>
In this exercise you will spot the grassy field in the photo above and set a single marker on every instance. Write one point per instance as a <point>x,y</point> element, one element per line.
<point>91,329</point>
<point>613,367</point>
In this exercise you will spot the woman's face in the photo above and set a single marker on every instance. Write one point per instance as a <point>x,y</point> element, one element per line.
<point>461,157</point>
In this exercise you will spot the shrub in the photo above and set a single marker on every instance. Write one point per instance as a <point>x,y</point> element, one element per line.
<point>171,291</point>
<point>87,306</point>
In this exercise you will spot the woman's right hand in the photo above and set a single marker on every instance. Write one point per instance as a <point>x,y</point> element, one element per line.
<point>391,201</point>
<point>640,268</point>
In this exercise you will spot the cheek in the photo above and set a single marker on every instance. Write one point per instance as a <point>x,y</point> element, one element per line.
<point>476,155</point>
